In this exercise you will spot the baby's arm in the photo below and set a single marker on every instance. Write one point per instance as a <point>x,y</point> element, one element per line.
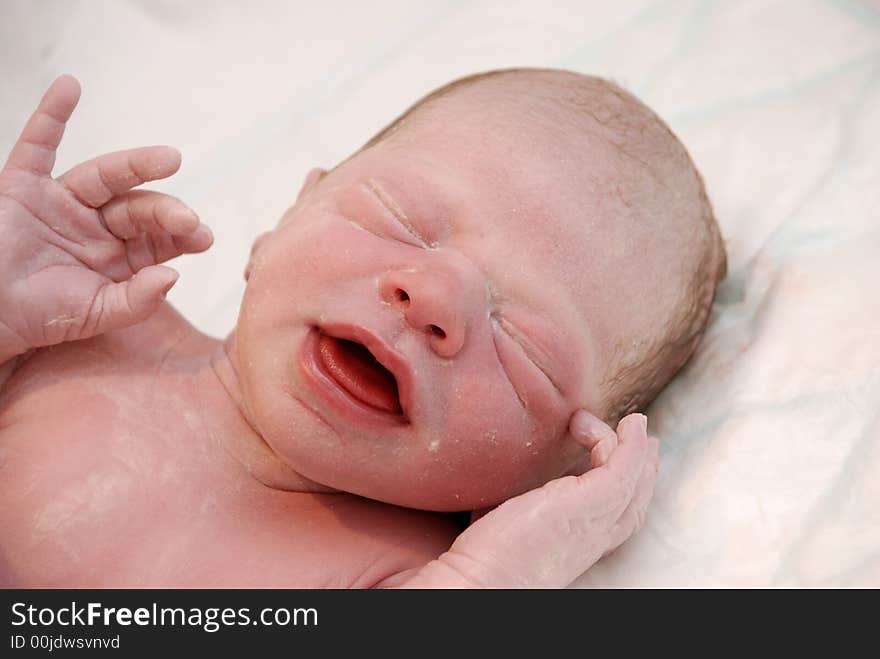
<point>79,254</point>
<point>547,537</point>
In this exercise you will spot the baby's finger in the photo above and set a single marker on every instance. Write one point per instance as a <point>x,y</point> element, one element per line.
<point>97,181</point>
<point>625,464</point>
<point>151,249</point>
<point>192,243</point>
<point>35,148</point>
<point>143,211</point>
<point>129,302</point>
<point>633,517</point>
<point>594,434</point>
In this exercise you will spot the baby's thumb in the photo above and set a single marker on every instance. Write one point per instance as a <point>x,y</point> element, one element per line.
<point>129,302</point>
<point>594,434</point>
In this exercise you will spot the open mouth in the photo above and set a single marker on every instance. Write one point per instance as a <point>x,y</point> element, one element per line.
<point>354,368</point>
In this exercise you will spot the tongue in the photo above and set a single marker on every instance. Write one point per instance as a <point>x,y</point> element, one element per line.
<point>356,370</point>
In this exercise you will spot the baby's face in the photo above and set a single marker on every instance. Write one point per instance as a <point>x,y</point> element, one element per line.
<point>469,255</point>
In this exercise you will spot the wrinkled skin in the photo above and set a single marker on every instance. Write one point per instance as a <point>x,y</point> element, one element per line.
<point>150,454</point>
<point>513,259</point>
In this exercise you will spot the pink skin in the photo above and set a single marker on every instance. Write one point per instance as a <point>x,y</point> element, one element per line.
<point>82,251</point>
<point>264,456</point>
<point>489,245</point>
<point>594,512</point>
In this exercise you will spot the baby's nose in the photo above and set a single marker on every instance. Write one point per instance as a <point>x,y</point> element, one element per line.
<point>439,300</point>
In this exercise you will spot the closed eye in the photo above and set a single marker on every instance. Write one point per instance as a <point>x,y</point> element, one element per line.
<point>526,376</point>
<point>503,360</point>
<point>516,338</point>
<point>396,212</point>
<point>384,229</point>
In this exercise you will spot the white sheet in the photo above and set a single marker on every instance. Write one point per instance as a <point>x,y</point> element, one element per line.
<point>770,471</point>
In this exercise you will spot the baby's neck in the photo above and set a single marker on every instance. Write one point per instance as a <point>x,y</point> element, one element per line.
<point>229,425</point>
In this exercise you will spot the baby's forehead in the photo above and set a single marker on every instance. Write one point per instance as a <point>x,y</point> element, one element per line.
<point>504,170</point>
<point>527,149</point>
<point>483,115</point>
<point>507,198</point>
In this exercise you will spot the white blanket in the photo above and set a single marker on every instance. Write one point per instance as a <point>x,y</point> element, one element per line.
<point>770,471</point>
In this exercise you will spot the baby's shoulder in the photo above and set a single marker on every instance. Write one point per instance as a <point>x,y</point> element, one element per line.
<point>67,402</point>
<point>114,361</point>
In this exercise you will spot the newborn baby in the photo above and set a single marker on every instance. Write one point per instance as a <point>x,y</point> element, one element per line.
<point>453,318</point>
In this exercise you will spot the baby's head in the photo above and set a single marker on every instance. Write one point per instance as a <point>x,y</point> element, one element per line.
<point>516,246</point>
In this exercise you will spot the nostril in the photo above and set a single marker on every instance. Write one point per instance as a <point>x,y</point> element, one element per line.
<point>437,331</point>
<point>401,295</point>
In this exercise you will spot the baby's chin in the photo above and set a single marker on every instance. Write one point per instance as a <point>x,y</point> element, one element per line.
<point>434,500</point>
<point>443,491</point>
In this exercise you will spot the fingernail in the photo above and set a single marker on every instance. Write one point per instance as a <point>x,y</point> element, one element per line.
<point>206,230</point>
<point>174,277</point>
<point>189,215</point>
<point>202,234</point>
<point>644,421</point>
<point>580,424</point>
<point>601,452</point>
<point>172,151</point>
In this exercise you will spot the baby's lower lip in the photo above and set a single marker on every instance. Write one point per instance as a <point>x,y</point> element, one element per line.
<point>346,406</point>
<point>355,369</point>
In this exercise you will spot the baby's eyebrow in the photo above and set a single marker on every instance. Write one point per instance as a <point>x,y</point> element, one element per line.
<point>388,202</point>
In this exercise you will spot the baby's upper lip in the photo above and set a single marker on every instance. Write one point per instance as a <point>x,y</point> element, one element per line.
<point>387,356</point>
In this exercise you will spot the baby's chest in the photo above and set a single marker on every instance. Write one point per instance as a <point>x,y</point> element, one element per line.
<point>112,517</point>
<point>324,541</point>
<point>81,485</point>
<point>98,491</point>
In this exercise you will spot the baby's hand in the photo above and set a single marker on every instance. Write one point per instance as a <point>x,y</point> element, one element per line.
<point>551,535</point>
<point>79,254</point>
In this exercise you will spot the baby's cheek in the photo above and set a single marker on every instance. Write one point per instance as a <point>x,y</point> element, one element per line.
<point>318,247</point>
<point>491,446</point>
<point>526,430</point>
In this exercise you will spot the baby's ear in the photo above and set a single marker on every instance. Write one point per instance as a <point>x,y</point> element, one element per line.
<point>312,177</point>
<point>255,248</point>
